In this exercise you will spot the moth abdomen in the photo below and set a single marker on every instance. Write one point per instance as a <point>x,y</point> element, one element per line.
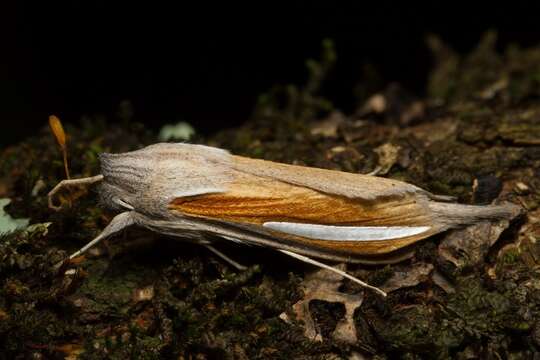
<point>454,215</point>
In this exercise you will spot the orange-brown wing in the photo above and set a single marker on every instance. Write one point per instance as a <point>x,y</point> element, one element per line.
<point>349,185</point>
<point>257,200</point>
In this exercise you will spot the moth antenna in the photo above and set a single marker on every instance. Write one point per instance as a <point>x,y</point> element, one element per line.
<point>71,182</point>
<point>118,223</point>
<point>337,271</point>
<point>226,258</point>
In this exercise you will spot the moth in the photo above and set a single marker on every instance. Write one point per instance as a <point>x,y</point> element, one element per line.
<point>199,193</point>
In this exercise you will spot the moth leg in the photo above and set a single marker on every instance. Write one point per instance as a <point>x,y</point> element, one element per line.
<point>375,171</point>
<point>443,198</point>
<point>118,223</point>
<point>337,271</point>
<point>70,182</point>
<point>225,257</point>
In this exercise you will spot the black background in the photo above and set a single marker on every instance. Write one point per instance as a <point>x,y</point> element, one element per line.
<point>206,65</point>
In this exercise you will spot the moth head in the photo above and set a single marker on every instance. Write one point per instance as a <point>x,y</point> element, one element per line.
<point>124,180</point>
<point>146,180</point>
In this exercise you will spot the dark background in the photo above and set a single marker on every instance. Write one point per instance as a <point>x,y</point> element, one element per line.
<point>207,65</point>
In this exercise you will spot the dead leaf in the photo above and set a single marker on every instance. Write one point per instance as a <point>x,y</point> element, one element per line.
<point>388,156</point>
<point>521,128</point>
<point>468,247</point>
<point>431,132</point>
<point>323,285</point>
<point>408,276</point>
<point>441,281</point>
<point>329,126</point>
<point>527,244</point>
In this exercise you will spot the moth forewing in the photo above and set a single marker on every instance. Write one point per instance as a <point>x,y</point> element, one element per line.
<point>306,217</point>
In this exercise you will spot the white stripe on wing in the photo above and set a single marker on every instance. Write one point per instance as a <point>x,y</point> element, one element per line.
<point>345,233</point>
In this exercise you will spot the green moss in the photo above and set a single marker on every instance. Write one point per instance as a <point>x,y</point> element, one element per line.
<point>473,314</point>
<point>484,73</point>
<point>297,104</point>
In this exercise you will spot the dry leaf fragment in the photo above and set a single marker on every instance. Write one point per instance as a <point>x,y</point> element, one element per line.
<point>388,156</point>
<point>323,285</point>
<point>441,281</point>
<point>468,247</point>
<point>408,276</point>
<point>329,126</point>
<point>432,132</point>
<point>527,244</point>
